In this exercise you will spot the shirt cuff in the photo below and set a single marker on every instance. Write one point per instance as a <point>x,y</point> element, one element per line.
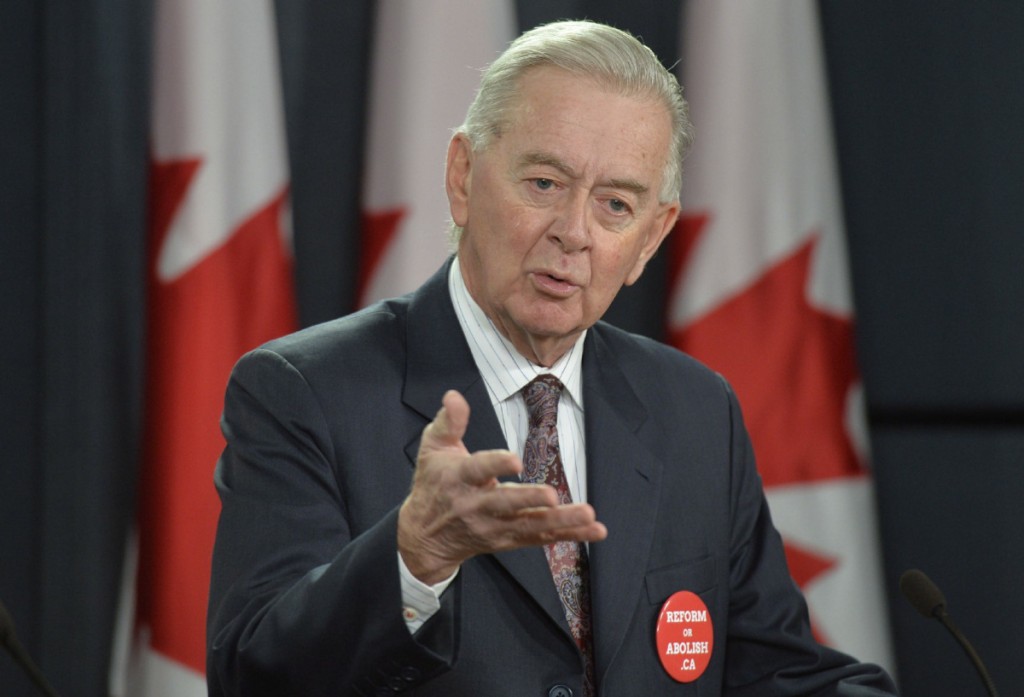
<point>419,601</point>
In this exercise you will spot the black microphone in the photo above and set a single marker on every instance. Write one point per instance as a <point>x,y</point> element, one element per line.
<point>9,638</point>
<point>927,599</point>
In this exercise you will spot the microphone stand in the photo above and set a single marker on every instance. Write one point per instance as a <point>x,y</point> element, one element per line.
<point>942,616</point>
<point>9,639</point>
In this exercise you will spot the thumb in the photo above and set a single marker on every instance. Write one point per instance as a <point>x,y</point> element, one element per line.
<point>449,426</point>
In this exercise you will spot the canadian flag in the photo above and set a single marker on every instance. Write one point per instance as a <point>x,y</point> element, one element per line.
<point>426,67</point>
<point>221,283</point>
<point>760,292</point>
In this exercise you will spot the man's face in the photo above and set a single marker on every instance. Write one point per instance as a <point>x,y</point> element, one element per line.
<point>561,209</point>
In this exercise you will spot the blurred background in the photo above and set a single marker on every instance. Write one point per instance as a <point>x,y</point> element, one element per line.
<point>926,100</point>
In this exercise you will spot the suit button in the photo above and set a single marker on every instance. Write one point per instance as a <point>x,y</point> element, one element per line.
<point>560,691</point>
<point>410,674</point>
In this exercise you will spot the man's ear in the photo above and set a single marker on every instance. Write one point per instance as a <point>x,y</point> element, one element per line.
<point>457,178</point>
<point>656,234</point>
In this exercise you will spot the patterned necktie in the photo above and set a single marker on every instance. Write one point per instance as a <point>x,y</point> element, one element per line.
<point>542,462</point>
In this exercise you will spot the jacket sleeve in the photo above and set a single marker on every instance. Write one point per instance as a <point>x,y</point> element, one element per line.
<point>303,600</point>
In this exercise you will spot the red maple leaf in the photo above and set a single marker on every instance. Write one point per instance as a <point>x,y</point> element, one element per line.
<point>792,366</point>
<point>379,230</point>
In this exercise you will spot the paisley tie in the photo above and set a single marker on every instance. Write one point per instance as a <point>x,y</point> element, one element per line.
<point>542,462</point>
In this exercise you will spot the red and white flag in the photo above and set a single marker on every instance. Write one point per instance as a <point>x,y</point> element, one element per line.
<point>761,293</point>
<point>221,282</point>
<point>426,67</point>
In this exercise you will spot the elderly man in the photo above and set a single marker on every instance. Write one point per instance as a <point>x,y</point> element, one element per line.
<point>582,515</point>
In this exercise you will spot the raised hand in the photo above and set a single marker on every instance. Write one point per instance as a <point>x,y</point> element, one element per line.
<point>457,508</point>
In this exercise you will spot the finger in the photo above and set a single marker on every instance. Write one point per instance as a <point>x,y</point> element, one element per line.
<point>594,532</point>
<point>484,466</point>
<point>512,498</point>
<point>558,518</point>
<point>536,505</point>
<point>544,524</point>
<point>449,426</point>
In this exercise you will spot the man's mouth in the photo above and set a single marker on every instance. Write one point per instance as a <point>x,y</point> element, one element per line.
<point>554,285</point>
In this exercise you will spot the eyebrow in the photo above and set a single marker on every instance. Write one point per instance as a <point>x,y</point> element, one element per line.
<point>543,158</point>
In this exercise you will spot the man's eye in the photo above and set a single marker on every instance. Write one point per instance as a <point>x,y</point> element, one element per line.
<point>618,205</point>
<point>544,184</point>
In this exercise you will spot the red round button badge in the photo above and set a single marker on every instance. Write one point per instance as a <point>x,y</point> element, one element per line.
<point>684,636</point>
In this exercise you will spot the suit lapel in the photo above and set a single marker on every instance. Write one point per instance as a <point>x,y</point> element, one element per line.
<point>438,359</point>
<point>623,480</point>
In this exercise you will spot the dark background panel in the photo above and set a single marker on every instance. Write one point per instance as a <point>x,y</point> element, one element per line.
<point>950,505</point>
<point>325,50</point>
<point>93,158</point>
<point>928,101</point>
<point>74,133</point>
<point>19,362</point>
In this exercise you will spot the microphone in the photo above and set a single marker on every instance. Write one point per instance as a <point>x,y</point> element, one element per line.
<point>927,599</point>
<point>9,638</point>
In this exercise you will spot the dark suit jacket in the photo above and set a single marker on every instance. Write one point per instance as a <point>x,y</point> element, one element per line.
<point>323,428</point>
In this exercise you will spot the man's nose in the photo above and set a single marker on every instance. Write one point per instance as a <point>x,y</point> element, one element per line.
<point>572,229</point>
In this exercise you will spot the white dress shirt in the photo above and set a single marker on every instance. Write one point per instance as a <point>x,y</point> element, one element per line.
<point>505,373</point>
